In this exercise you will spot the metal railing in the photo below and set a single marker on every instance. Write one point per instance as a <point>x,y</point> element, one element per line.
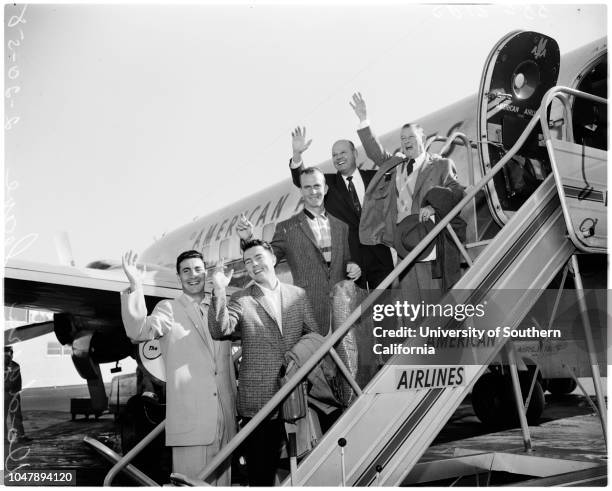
<point>366,304</point>
<point>336,336</point>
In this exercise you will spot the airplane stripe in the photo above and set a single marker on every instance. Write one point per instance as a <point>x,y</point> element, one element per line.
<point>494,111</point>
<point>520,244</point>
<point>582,194</point>
<point>393,445</point>
<point>401,435</point>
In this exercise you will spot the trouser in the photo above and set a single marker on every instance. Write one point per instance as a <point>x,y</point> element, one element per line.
<point>13,420</point>
<point>190,460</point>
<point>262,451</point>
<point>417,284</point>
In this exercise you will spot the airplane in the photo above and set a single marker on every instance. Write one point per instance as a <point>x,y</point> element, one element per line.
<point>85,301</point>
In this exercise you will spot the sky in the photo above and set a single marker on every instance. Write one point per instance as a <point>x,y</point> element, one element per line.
<point>123,122</point>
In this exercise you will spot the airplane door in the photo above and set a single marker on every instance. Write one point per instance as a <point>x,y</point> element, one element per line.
<point>522,66</point>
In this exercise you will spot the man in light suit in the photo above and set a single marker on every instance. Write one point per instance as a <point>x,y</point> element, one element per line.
<point>270,317</point>
<point>344,200</point>
<point>200,387</point>
<point>315,245</point>
<point>416,183</point>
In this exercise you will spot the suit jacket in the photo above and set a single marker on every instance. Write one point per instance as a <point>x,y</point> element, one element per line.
<point>379,213</point>
<point>370,258</point>
<point>249,316</point>
<point>199,370</point>
<point>294,241</point>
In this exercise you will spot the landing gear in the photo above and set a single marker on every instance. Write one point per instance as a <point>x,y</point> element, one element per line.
<point>561,386</point>
<point>493,399</point>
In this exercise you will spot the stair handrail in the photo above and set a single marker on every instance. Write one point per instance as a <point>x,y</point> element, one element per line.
<point>334,337</point>
<point>559,93</point>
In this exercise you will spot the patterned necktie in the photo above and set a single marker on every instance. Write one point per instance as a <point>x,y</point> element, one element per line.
<point>354,198</point>
<point>409,166</point>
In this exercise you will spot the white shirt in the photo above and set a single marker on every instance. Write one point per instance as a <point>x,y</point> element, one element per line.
<point>273,295</point>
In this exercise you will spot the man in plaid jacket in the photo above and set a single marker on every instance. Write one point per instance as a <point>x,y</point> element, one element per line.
<point>269,317</point>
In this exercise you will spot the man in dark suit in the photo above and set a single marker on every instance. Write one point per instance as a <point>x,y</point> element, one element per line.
<point>344,200</point>
<point>315,245</point>
<point>270,317</point>
<point>412,186</point>
<point>13,419</point>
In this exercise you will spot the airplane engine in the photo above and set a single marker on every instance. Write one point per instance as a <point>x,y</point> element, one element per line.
<point>89,349</point>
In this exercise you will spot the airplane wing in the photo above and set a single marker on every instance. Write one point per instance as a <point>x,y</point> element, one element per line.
<point>90,294</point>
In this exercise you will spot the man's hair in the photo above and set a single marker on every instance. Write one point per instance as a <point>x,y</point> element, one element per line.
<point>351,144</point>
<point>188,255</point>
<point>310,171</point>
<point>416,127</point>
<point>249,244</point>
<point>8,349</point>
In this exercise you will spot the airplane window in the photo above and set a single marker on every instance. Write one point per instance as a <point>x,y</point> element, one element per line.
<point>268,231</point>
<point>56,349</point>
<point>590,119</point>
<point>213,255</point>
<point>230,248</point>
<point>206,253</point>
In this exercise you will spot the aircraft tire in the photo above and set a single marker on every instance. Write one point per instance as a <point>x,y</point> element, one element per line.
<point>561,386</point>
<point>493,400</point>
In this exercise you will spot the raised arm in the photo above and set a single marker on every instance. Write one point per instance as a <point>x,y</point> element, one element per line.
<point>138,326</point>
<point>372,146</point>
<point>299,145</point>
<point>223,319</point>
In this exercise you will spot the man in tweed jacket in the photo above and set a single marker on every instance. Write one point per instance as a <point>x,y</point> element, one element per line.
<point>270,317</point>
<point>316,265</point>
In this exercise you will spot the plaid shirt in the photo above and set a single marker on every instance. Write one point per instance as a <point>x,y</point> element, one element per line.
<point>319,225</point>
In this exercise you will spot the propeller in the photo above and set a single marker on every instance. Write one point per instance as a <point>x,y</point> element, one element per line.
<point>27,332</point>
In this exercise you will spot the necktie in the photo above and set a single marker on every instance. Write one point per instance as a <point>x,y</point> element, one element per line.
<point>354,198</point>
<point>409,166</point>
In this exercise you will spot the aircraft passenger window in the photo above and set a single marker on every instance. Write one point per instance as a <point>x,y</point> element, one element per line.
<point>590,119</point>
<point>230,248</point>
<point>213,255</point>
<point>56,349</point>
<point>206,253</point>
<point>268,231</point>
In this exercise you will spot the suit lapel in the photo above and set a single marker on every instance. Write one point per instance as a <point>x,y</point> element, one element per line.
<point>285,304</point>
<point>365,177</point>
<point>198,322</point>
<point>308,232</point>
<point>262,300</point>
<point>336,241</point>
<point>423,174</point>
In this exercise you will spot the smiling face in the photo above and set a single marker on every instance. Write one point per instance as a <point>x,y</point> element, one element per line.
<point>259,263</point>
<point>344,157</point>
<point>192,275</point>
<point>313,190</point>
<point>411,139</point>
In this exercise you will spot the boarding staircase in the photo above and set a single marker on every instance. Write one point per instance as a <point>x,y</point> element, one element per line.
<point>385,431</point>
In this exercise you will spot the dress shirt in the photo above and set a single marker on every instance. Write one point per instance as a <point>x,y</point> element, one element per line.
<point>273,295</point>
<point>319,224</point>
